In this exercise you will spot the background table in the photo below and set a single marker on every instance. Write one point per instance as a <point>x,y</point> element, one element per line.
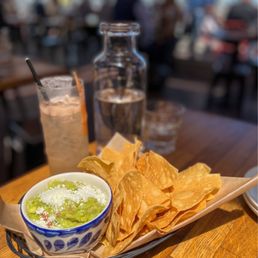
<point>226,145</point>
<point>20,73</point>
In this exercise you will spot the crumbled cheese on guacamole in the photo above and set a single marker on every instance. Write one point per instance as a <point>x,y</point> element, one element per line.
<point>65,204</point>
<point>57,196</point>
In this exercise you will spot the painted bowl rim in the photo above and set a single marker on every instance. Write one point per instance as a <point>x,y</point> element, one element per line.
<point>71,230</point>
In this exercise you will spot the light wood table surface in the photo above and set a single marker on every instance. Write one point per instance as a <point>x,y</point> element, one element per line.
<point>227,146</point>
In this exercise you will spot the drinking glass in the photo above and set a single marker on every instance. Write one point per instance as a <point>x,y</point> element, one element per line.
<point>66,143</point>
<point>162,123</point>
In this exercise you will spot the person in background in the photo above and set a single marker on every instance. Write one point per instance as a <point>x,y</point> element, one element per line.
<point>210,27</point>
<point>243,11</point>
<point>124,10</point>
<point>141,11</point>
<point>53,8</point>
<point>106,11</point>
<point>82,9</point>
<point>196,13</point>
<point>168,17</point>
<point>2,19</point>
<point>211,23</point>
<point>13,23</point>
<point>39,9</point>
<point>168,14</point>
<point>242,18</point>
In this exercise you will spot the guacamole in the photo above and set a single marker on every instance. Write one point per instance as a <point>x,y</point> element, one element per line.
<point>65,204</point>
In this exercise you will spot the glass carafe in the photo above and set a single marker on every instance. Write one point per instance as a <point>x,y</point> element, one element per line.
<point>119,84</point>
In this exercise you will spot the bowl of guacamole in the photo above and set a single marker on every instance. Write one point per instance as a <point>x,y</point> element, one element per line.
<point>68,212</point>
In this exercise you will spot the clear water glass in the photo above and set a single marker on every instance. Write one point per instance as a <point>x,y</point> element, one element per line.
<point>162,123</point>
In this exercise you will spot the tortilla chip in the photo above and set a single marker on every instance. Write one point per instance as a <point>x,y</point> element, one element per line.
<point>157,169</point>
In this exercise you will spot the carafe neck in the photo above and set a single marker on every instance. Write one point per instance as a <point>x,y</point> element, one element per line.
<point>119,44</point>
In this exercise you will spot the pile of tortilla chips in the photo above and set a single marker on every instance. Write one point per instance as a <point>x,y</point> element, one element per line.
<point>148,192</point>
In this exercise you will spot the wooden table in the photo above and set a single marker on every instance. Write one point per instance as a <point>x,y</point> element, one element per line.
<point>229,147</point>
<point>20,73</point>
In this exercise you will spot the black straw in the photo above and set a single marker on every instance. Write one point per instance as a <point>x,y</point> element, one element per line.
<point>35,76</point>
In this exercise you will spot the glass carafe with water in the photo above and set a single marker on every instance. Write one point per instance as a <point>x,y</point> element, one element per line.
<point>119,84</point>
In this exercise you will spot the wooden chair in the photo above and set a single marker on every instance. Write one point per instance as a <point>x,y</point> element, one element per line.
<point>228,67</point>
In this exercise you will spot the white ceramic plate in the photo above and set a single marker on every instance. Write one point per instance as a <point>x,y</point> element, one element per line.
<point>251,196</point>
<point>250,205</point>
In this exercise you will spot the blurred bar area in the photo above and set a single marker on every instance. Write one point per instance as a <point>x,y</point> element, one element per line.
<point>200,53</point>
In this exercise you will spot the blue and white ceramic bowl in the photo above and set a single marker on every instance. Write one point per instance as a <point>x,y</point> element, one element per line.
<point>72,240</point>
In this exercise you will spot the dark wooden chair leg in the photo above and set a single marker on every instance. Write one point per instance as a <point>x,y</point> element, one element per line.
<point>213,84</point>
<point>228,83</point>
<point>241,95</point>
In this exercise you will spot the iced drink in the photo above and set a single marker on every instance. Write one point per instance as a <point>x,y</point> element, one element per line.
<point>65,143</point>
